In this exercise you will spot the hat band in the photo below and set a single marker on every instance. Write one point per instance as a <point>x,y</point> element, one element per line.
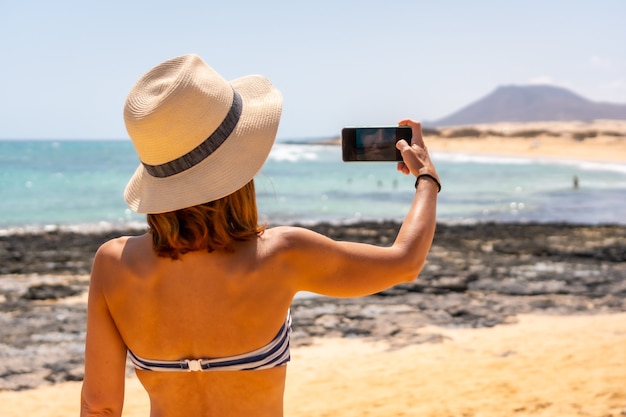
<point>206,148</point>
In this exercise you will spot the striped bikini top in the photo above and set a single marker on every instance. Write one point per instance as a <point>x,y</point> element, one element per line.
<point>275,353</point>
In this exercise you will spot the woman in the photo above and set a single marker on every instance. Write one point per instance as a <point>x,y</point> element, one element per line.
<point>201,302</point>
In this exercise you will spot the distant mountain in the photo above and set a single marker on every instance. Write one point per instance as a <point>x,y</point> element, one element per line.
<point>532,103</point>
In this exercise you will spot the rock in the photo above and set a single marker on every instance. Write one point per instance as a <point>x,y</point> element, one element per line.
<point>50,292</point>
<point>476,276</point>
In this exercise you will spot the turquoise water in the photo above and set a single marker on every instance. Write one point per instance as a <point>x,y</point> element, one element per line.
<point>79,184</point>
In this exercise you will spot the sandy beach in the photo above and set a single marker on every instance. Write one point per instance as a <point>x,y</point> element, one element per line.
<point>507,320</point>
<point>541,366</point>
<point>598,141</point>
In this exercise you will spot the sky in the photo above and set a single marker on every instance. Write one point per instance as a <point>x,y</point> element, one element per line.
<point>67,66</point>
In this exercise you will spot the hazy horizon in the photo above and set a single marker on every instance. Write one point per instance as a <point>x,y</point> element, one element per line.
<point>69,66</point>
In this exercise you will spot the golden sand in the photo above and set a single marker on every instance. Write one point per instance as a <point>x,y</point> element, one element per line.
<point>542,366</point>
<point>600,141</point>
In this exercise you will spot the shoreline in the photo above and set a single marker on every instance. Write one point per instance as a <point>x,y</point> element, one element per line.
<point>506,318</point>
<point>479,276</point>
<point>546,149</point>
<point>476,276</point>
<point>598,145</point>
<point>119,229</point>
<point>597,141</point>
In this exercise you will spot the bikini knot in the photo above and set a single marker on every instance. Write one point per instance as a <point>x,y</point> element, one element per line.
<point>194,365</point>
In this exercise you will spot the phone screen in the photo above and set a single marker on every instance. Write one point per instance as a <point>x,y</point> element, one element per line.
<point>373,143</point>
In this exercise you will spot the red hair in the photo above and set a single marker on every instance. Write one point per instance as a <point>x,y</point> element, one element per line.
<point>210,226</point>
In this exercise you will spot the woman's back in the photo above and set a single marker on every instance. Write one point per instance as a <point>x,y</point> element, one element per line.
<point>203,306</point>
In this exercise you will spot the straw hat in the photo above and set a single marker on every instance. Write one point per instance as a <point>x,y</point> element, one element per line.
<point>199,137</point>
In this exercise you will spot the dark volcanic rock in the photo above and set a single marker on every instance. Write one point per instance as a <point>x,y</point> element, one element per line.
<point>50,292</point>
<point>476,276</point>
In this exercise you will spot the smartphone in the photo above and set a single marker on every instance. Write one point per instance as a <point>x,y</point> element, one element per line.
<point>373,143</point>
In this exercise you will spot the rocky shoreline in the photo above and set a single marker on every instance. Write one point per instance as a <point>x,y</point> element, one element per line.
<point>477,275</point>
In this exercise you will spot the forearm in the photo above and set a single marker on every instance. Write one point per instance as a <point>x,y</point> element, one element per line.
<point>418,229</point>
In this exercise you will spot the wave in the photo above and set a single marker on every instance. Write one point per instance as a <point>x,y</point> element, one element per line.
<point>460,157</point>
<point>282,152</point>
<point>86,228</point>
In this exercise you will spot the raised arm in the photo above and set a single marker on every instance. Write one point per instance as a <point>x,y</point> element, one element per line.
<point>347,269</point>
<point>418,228</point>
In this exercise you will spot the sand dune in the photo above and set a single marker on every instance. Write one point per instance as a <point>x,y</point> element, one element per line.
<point>602,140</point>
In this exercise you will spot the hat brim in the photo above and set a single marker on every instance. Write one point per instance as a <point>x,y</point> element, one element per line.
<point>228,168</point>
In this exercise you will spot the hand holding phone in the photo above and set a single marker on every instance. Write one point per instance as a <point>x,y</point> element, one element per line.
<point>373,143</point>
<point>416,159</point>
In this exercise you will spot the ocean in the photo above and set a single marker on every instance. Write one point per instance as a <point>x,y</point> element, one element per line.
<point>78,185</point>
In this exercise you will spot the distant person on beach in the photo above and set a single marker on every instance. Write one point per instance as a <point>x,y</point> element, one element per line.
<point>201,302</point>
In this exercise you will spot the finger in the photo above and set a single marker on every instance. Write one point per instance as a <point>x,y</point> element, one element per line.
<point>402,145</point>
<point>403,168</point>
<point>416,129</point>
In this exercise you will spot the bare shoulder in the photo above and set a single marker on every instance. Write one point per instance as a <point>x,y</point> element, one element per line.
<point>120,251</point>
<point>113,245</point>
<point>294,237</point>
<point>112,249</point>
